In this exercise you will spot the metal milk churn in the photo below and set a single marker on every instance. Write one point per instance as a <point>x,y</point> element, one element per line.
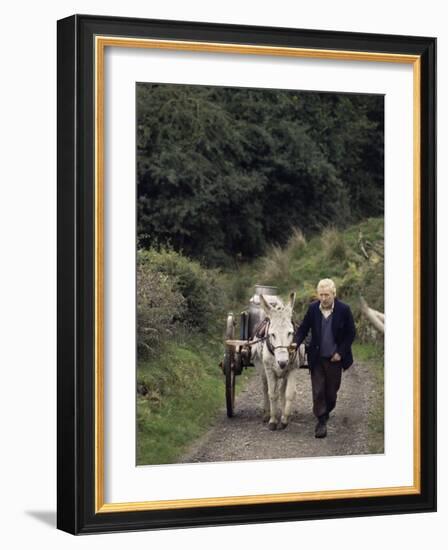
<point>256,313</point>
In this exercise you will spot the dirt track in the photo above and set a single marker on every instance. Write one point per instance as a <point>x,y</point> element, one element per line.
<point>245,437</point>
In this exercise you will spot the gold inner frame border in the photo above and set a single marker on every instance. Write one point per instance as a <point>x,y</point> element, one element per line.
<point>100,43</point>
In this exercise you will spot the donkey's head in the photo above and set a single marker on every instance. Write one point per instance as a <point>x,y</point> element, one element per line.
<point>281,330</point>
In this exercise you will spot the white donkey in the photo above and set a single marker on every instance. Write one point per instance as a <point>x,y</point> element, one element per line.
<point>277,362</point>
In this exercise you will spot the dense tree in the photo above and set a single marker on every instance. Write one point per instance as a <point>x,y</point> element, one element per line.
<point>222,172</point>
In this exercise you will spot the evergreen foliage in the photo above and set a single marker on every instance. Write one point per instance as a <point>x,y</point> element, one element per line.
<point>224,172</point>
<point>174,291</point>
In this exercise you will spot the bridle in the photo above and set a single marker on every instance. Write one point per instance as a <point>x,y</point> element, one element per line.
<point>292,350</point>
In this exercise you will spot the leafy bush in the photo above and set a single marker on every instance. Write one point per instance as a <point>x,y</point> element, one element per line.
<point>159,303</point>
<point>200,288</point>
<point>352,282</point>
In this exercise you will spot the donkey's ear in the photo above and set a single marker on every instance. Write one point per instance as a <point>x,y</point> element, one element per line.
<point>264,304</point>
<point>292,299</point>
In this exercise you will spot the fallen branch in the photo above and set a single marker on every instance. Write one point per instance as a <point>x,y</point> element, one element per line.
<point>380,315</point>
<point>361,246</point>
<point>375,317</point>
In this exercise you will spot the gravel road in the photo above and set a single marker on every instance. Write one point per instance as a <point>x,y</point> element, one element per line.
<point>245,437</point>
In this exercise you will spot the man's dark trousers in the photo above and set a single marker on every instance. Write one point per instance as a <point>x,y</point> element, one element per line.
<point>325,383</point>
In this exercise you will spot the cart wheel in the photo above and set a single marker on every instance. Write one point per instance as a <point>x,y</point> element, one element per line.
<point>228,367</point>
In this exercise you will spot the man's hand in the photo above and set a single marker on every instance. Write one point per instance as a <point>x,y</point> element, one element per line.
<point>335,357</point>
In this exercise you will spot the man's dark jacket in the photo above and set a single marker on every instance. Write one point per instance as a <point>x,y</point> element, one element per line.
<point>343,328</point>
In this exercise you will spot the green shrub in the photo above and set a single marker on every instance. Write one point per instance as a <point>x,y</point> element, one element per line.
<point>159,303</point>
<point>352,281</point>
<point>334,245</point>
<point>200,288</point>
<point>277,261</point>
<point>373,285</point>
<point>276,265</point>
<point>296,244</point>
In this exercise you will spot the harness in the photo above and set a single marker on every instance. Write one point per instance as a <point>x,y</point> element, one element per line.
<point>261,333</point>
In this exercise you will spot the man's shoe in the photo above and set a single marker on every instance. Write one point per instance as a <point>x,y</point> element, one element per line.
<point>321,428</point>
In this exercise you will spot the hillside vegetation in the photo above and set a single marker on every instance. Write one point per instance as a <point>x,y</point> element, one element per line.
<point>224,172</point>
<point>301,263</point>
<point>181,314</point>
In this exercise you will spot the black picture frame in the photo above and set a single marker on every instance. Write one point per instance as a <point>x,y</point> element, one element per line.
<point>77,511</point>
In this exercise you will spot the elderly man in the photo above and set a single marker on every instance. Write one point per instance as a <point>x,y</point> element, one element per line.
<point>332,334</point>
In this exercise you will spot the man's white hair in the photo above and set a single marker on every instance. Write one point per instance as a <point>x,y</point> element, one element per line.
<point>327,283</point>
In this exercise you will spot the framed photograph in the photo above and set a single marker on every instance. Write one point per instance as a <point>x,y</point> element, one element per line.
<point>246,274</point>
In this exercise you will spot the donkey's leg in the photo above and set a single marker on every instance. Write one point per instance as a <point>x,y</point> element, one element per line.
<point>273,396</point>
<point>281,386</point>
<point>266,403</point>
<point>290,392</point>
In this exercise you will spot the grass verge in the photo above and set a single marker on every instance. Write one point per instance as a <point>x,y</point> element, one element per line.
<point>179,395</point>
<point>374,355</point>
